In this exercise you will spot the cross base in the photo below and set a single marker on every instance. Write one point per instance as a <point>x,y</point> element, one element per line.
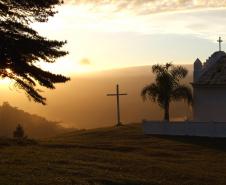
<point>119,124</point>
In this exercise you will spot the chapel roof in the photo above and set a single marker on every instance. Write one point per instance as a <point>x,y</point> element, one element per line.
<point>214,71</point>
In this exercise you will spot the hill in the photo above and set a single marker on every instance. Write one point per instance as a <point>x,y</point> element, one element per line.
<point>115,156</point>
<point>129,71</point>
<point>34,126</point>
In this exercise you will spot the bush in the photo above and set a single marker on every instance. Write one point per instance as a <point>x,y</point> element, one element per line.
<point>19,132</point>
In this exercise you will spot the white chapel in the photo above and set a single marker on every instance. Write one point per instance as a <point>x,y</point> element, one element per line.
<point>209,88</point>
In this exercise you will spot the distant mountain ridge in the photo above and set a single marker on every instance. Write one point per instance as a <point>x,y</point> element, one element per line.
<point>129,71</point>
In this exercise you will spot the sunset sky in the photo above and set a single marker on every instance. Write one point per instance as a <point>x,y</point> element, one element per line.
<point>105,34</point>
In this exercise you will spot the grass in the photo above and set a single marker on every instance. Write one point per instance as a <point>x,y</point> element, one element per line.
<point>114,156</point>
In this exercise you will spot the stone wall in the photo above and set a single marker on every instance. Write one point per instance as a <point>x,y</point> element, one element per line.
<point>203,129</point>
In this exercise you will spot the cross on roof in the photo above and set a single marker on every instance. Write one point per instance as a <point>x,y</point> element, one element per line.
<point>117,102</point>
<point>220,41</point>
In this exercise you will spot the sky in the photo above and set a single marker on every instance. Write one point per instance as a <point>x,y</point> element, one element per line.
<point>106,34</point>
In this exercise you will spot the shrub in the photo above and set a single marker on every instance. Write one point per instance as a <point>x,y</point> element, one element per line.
<point>19,132</point>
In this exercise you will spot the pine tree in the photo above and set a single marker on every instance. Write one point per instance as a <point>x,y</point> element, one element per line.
<point>22,48</point>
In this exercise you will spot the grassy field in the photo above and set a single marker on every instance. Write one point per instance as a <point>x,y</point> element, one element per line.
<point>114,156</point>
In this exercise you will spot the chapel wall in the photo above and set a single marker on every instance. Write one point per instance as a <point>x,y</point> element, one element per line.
<point>209,104</point>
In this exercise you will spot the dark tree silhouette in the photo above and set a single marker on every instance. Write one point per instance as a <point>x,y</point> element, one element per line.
<point>19,132</point>
<point>167,87</point>
<point>21,47</point>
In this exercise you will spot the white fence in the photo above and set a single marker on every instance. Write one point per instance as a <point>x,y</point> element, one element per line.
<point>204,129</point>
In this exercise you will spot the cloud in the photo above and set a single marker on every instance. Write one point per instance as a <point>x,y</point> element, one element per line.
<point>205,23</point>
<point>201,18</point>
<point>85,61</point>
<point>144,7</point>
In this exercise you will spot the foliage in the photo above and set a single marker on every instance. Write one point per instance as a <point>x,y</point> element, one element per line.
<point>167,87</point>
<point>22,48</point>
<point>19,132</point>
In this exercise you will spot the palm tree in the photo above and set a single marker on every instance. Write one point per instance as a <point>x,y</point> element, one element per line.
<point>167,87</point>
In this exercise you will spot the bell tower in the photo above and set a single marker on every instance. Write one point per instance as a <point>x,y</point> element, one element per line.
<point>197,70</point>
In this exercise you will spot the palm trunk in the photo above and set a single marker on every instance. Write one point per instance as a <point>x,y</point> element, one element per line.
<point>166,111</point>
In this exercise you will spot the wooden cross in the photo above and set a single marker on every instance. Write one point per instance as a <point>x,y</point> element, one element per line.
<point>117,103</point>
<point>220,41</point>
